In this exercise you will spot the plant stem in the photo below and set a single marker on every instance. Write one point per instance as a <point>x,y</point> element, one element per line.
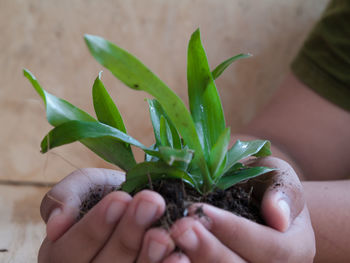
<point>207,180</point>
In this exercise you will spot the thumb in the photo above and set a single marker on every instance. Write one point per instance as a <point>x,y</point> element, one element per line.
<point>283,198</point>
<point>276,210</point>
<point>60,207</point>
<point>59,221</point>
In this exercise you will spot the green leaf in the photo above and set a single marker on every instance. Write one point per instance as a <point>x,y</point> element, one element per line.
<point>106,111</point>
<point>112,151</point>
<point>77,130</point>
<point>218,152</point>
<point>156,112</point>
<point>140,175</point>
<point>221,68</point>
<point>244,149</point>
<point>241,175</point>
<point>136,75</point>
<point>58,111</point>
<point>166,138</point>
<point>204,100</point>
<point>177,157</point>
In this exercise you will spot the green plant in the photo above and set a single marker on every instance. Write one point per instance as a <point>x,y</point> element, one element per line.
<point>189,145</point>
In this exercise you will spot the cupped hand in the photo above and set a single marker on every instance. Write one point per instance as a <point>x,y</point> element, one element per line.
<point>224,237</point>
<point>114,230</point>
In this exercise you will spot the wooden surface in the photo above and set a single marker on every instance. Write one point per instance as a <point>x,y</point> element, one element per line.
<point>21,228</point>
<point>45,36</point>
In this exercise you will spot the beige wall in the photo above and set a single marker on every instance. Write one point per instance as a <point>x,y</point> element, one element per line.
<point>45,36</point>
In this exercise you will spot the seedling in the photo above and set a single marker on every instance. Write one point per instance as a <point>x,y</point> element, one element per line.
<point>190,145</point>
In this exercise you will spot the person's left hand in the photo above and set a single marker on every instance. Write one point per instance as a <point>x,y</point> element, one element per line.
<point>225,237</point>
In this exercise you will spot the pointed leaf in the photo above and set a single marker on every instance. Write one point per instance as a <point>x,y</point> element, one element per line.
<point>77,130</point>
<point>244,149</point>
<point>218,152</point>
<point>221,68</point>
<point>136,75</point>
<point>241,175</point>
<point>58,111</point>
<point>205,104</point>
<point>156,111</point>
<point>109,148</point>
<point>139,176</point>
<point>165,133</point>
<point>106,111</point>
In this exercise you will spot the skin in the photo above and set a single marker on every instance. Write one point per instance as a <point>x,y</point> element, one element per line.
<point>300,124</point>
<point>124,238</point>
<point>117,227</point>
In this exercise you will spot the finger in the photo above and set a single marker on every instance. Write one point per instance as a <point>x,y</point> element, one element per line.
<point>244,236</point>
<point>199,244</point>
<point>125,242</point>
<point>177,257</point>
<point>157,245</point>
<point>84,239</point>
<point>61,205</point>
<point>283,198</point>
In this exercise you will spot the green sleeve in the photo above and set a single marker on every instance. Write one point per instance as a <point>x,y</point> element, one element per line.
<point>323,63</point>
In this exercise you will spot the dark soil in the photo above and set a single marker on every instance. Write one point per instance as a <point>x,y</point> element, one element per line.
<point>179,197</point>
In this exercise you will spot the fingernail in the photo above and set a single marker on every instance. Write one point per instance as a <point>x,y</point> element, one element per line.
<point>54,213</point>
<point>156,251</point>
<point>51,225</point>
<point>285,209</point>
<point>145,213</point>
<point>114,212</point>
<point>188,240</point>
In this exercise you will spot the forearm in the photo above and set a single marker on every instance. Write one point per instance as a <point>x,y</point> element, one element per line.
<point>312,132</point>
<point>329,206</point>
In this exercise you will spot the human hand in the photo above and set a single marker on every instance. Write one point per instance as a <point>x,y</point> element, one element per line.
<point>114,229</point>
<point>225,237</point>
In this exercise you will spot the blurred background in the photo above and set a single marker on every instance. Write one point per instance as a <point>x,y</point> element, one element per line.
<point>46,37</point>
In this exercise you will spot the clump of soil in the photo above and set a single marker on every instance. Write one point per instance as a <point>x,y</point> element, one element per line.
<point>94,196</point>
<point>179,196</point>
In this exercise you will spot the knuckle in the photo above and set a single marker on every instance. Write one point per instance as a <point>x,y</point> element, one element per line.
<point>127,248</point>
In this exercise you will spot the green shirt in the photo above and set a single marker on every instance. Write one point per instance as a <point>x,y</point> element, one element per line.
<point>323,63</point>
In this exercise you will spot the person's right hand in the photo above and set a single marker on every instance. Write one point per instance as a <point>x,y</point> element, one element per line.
<point>113,230</point>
